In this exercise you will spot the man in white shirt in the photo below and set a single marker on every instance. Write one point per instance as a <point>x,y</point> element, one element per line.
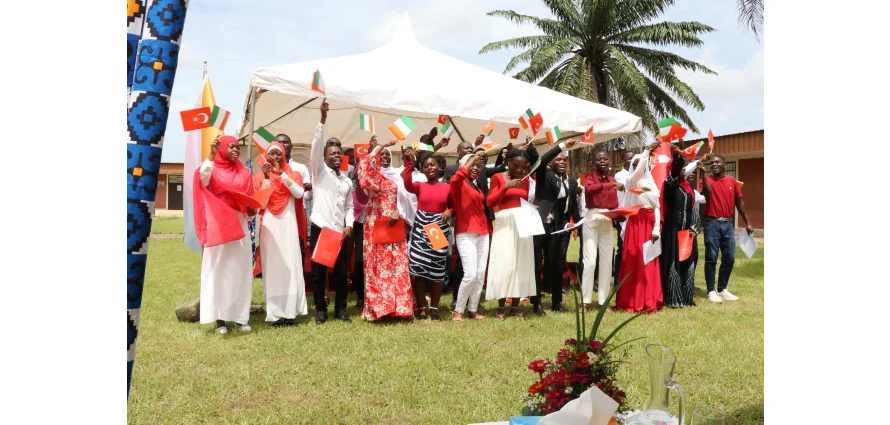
<point>333,209</point>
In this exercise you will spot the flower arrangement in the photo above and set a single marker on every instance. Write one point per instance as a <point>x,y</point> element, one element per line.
<point>583,362</point>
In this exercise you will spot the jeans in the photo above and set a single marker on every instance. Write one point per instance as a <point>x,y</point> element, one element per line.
<point>320,272</point>
<point>473,249</point>
<point>719,236</point>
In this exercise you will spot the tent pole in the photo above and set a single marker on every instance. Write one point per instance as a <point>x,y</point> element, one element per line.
<point>253,96</point>
<point>456,129</point>
<point>250,126</point>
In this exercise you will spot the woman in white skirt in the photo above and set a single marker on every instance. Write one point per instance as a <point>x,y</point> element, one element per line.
<point>221,226</point>
<point>280,240</point>
<point>512,263</point>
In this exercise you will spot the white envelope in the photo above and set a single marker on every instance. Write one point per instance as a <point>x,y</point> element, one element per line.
<point>528,221</point>
<point>593,407</point>
<point>747,242</point>
<point>651,250</point>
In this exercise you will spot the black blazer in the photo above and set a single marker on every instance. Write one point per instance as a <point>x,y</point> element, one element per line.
<point>547,186</point>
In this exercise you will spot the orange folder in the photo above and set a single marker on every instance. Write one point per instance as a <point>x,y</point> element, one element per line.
<point>245,201</point>
<point>328,247</point>
<point>684,244</point>
<point>437,237</point>
<point>385,234</point>
<point>622,212</point>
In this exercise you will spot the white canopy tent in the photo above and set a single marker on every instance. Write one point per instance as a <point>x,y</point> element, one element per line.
<point>405,78</point>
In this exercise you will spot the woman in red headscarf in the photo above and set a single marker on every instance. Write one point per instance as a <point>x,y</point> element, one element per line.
<point>221,225</point>
<point>280,239</point>
<point>678,206</point>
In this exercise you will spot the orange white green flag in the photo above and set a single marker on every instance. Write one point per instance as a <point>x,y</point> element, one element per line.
<point>402,127</point>
<point>669,130</point>
<point>447,129</point>
<point>525,118</point>
<point>317,82</point>
<point>366,122</point>
<point>554,135</point>
<point>262,139</point>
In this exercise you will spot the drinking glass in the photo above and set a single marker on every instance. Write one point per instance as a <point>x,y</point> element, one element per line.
<point>708,416</point>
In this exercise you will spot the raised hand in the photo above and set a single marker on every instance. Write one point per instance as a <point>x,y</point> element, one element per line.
<point>267,167</point>
<point>390,143</point>
<point>394,218</point>
<point>571,142</point>
<point>445,141</point>
<point>479,139</point>
<point>214,147</point>
<point>373,141</point>
<point>619,186</point>
<point>653,146</point>
<point>251,211</point>
<point>276,166</point>
<point>324,110</point>
<point>528,139</point>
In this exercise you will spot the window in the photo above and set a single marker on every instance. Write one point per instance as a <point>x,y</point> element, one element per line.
<point>730,170</point>
<point>177,178</point>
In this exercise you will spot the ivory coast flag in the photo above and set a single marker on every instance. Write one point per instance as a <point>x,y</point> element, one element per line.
<point>489,128</point>
<point>553,135</point>
<point>317,82</point>
<point>402,127</point>
<point>262,139</point>
<point>447,129</point>
<point>366,122</point>
<point>218,117</point>
<point>419,146</point>
<point>524,118</point>
<point>669,130</point>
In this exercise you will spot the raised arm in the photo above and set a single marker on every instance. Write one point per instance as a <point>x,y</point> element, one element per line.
<point>673,179</point>
<point>316,152</point>
<point>549,156</point>
<point>407,177</point>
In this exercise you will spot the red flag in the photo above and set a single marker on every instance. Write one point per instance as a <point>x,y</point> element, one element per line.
<point>514,132</point>
<point>692,151</point>
<point>661,157</point>
<point>684,244</point>
<point>328,247</point>
<point>344,164</point>
<point>443,119</point>
<point>361,150</point>
<point>434,232</point>
<point>536,122</point>
<point>588,136</point>
<point>195,119</point>
<point>711,140</point>
<point>385,234</point>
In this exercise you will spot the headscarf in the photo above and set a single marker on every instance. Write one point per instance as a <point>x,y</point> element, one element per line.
<point>405,202</point>
<point>684,183</point>
<point>216,210</point>
<point>280,193</point>
<point>650,198</point>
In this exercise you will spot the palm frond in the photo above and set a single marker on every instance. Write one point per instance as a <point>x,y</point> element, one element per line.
<point>633,13</point>
<point>532,41</point>
<point>664,33</point>
<point>651,57</point>
<point>751,16</point>
<point>545,59</point>
<point>627,76</point>
<point>567,12</point>
<point>548,26</point>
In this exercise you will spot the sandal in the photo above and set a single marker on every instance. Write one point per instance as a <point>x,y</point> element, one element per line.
<point>500,315</point>
<point>456,317</point>
<point>422,314</point>
<point>476,316</point>
<point>434,316</point>
<point>514,312</point>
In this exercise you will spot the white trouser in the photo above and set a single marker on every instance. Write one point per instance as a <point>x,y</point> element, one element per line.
<point>598,237</point>
<point>473,249</point>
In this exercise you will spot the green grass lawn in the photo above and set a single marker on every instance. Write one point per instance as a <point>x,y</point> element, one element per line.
<point>167,225</point>
<point>415,373</point>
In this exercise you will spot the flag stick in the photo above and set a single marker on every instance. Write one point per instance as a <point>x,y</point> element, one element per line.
<point>250,125</point>
<point>455,128</point>
<point>285,114</point>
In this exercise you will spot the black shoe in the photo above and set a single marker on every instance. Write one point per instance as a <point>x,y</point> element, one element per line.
<point>341,314</point>
<point>539,310</point>
<point>360,304</point>
<point>321,317</point>
<point>559,309</point>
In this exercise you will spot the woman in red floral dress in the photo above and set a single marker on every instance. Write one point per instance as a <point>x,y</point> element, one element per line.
<point>387,285</point>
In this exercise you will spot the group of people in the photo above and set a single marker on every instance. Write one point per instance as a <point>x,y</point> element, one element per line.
<point>477,207</point>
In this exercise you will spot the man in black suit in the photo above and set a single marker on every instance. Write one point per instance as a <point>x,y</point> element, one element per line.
<point>556,198</point>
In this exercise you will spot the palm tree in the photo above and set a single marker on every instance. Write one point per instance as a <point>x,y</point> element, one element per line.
<point>597,50</point>
<point>751,15</point>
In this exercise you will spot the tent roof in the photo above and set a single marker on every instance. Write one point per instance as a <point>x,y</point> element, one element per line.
<point>405,78</point>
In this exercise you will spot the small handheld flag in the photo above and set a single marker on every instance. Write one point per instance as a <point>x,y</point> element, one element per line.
<point>361,150</point>
<point>218,117</point>
<point>489,144</point>
<point>443,119</point>
<point>536,122</point>
<point>195,119</point>
<point>670,130</point>
<point>262,139</point>
<point>366,122</point>
<point>437,238</point>
<point>402,127</point>
<point>711,140</point>
<point>447,129</point>
<point>489,128</point>
<point>514,132</point>
<point>691,151</point>
<point>534,167</point>
<point>317,82</point>
<point>420,146</point>
<point>553,135</point>
<point>639,190</point>
<point>588,136</point>
<point>525,117</point>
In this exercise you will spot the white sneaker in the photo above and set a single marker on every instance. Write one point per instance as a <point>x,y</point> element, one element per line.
<point>222,330</point>
<point>245,327</point>
<point>714,298</point>
<point>727,296</point>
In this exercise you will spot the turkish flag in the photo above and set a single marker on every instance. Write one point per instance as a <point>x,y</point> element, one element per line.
<point>361,150</point>
<point>195,119</point>
<point>661,157</point>
<point>437,238</point>
<point>514,132</point>
<point>588,136</point>
<point>536,122</point>
<point>711,140</point>
<point>692,151</point>
<point>443,119</point>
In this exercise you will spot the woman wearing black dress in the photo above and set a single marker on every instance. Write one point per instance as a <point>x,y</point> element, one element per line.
<point>678,204</point>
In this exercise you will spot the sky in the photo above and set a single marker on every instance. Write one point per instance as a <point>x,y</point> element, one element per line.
<point>236,37</point>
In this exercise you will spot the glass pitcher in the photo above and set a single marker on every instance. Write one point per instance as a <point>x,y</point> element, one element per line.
<point>661,370</point>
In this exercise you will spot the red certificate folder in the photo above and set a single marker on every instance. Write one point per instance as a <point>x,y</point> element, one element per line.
<point>327,248</point>
<point>386,234</point>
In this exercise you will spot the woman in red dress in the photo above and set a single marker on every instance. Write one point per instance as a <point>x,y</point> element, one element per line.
<point>641,290</point>
<point>387,285</point>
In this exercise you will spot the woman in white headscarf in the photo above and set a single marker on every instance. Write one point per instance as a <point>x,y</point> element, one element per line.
<point>641,290</point>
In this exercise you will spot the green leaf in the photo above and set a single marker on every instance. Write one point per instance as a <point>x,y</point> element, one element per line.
<point>615,332</point>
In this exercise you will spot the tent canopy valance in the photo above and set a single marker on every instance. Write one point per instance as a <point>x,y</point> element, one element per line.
<point>405,78</point>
